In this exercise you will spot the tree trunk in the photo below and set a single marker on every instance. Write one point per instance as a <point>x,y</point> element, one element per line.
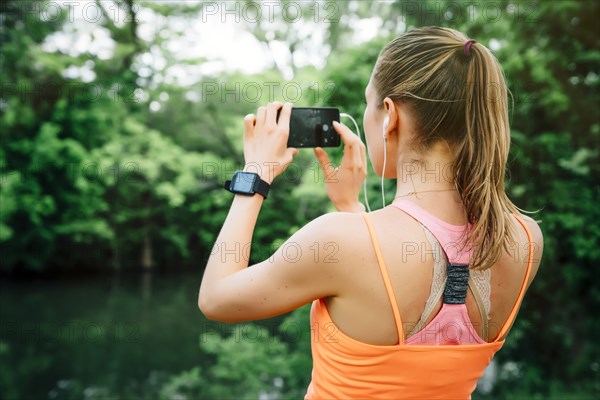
<point>147,263</point>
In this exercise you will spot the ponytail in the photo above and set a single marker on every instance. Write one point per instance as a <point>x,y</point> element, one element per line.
<point>459,97</point>
<point>481,158</point>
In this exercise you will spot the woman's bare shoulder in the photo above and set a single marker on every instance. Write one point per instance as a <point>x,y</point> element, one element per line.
<point>340,229</point>
<point>537,242</point>
<point>533,226</point>
<point>337,223</point>
<point>349,231</point>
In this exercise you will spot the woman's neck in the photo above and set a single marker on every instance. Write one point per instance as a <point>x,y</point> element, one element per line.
<point>428,180</point>
<point>428,172</point>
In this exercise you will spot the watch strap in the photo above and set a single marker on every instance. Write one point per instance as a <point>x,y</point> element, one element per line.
<point>262,187</point>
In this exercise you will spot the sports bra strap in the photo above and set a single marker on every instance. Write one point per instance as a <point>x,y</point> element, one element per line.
<point>449,236</point>
<point>480,306</point>
<point>386,279</point>
<point>513,313</point>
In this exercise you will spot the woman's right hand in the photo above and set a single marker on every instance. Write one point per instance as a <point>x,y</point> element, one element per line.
<point>343,183</point>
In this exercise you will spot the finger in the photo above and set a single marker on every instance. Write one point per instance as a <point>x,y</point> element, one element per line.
<point>249,121</point>
<point>329,170</point>
<point>322,157</point>
<point>357,161</point>
<point>284,116</point>
<point>291,152</point>
<point>363,156</point>
<point>349,155</point>
<point>260,115</point>
<point>272,113</point>
<point>348,137</point>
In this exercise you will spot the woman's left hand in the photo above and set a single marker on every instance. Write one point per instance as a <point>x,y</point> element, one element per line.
<point>343,183</point>
<point>265,141</point>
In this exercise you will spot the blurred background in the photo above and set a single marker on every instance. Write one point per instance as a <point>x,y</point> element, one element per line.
<point>120,121</point>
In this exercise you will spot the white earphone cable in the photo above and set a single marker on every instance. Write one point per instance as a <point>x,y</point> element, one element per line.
<point>383,171</point>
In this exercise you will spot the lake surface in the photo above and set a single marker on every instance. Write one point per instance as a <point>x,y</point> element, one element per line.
<point>121,331</point>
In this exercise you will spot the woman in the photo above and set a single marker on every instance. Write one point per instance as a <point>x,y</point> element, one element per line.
<point>412,300</point>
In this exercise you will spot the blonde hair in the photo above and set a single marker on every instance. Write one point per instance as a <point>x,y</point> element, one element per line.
<point>458,97</point>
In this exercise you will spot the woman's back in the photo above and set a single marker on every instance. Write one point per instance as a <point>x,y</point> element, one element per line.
<point>385,279</point>
<point>362,310</point>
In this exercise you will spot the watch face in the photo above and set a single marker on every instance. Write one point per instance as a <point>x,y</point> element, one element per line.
<point>244,182</point>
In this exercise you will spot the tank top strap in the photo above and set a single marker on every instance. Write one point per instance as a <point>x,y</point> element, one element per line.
<point>386,279</point>
<point>515,308</point>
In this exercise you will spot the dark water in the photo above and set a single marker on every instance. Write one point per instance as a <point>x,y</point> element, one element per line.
<point>99,336</point>
<point>113,331</point>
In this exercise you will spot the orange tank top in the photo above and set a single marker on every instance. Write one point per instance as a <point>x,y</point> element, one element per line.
<point>345,368</point>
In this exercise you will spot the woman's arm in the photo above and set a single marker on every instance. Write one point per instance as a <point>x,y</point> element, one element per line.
<point>231,251</point>
<point>306,267</point>
<point>302,269</point>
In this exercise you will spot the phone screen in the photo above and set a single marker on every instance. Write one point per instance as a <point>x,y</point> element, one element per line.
<point>313,127</point>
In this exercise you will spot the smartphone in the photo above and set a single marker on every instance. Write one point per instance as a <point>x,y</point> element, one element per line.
<point>313,127</point>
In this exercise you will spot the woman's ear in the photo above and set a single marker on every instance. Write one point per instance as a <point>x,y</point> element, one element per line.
<point>392,115</point>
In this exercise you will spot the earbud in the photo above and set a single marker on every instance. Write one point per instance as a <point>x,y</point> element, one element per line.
<point>386,122</point>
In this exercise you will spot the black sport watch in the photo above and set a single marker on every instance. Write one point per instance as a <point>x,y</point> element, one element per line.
<point>247,184</point>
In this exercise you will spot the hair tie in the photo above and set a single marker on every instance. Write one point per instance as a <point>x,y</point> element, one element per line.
<point>468,45</point>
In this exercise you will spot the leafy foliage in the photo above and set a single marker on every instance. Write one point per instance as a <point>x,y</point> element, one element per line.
<point>125,170</point>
